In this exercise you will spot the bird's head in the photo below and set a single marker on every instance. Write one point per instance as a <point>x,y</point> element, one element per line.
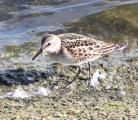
<point>50,44</point>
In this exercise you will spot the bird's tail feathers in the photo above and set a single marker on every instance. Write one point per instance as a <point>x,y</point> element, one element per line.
<point>121,46</point>
<point>108,48</point>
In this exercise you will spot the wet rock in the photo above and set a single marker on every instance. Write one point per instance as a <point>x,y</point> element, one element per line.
<point>21,76</point>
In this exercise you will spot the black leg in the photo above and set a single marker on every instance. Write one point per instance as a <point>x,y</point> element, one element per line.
<point>89,66</point>
<point>79,71</point>
<point>89,78</point>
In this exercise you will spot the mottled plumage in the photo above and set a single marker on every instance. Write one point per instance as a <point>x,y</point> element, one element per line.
<point>75,49</point>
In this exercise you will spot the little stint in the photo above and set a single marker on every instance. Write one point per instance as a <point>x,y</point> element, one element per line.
<point>75,49</point>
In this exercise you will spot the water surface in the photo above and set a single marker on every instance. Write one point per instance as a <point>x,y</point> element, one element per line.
<point>22,21</point>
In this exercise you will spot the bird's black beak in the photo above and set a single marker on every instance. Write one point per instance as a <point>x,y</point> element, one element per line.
<point>37,54</point>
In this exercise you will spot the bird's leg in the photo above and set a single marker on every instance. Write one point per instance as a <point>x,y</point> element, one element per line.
<point>89,78</point>
<point>79,71</point>
<point>76,74</point>
<point>89,67</point>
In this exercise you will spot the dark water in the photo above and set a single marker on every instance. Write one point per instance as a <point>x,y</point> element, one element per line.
<point>21,21</point>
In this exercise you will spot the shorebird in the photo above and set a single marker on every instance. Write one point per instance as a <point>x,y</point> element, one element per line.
<point>75,49</point>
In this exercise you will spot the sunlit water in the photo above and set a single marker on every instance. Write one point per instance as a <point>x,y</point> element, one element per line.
<point>22,21</point>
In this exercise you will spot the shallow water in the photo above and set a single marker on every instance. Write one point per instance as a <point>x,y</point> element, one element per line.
<point>22,21</point>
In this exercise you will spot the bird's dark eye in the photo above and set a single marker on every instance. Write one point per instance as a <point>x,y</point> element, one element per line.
<point>49,44</point>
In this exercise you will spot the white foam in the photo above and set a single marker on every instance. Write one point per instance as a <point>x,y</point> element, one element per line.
<point>41,91</point>
<point>121,93</point>
<point>18,93</point>
<point>95,78</point>
<point>21,93</point>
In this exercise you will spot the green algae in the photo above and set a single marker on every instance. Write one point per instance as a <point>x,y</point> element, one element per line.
<point>11,51</point>
<point>115,105</point>
<point>116,24</point>
<point>17,49</point>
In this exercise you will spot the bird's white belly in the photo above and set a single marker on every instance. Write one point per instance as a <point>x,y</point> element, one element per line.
<point>67,61</point>
<point>62,59</point>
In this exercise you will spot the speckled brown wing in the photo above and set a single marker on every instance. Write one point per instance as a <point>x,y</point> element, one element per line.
<point>87,49</point>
